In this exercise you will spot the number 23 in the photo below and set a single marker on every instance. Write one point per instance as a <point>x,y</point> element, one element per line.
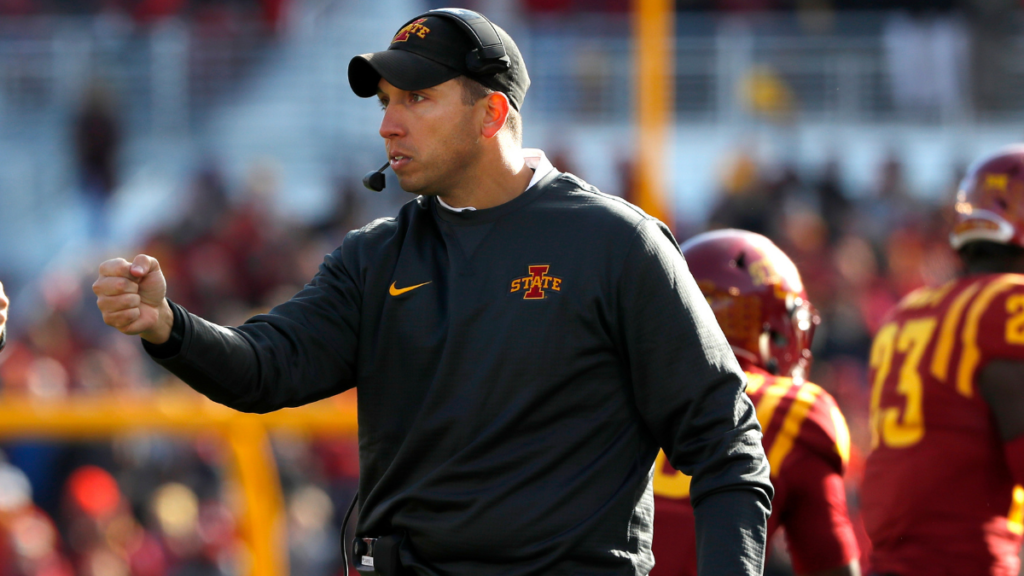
<point>896,427</point>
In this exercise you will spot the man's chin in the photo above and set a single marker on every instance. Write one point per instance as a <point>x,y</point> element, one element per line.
<point>416,186</point>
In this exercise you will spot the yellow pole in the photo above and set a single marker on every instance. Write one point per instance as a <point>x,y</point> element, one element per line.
<point>263,519</point>
<point>654,97</point>
<point>103,415</point>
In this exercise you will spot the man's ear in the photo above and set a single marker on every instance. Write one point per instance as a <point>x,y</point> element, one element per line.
<point>495,114</point>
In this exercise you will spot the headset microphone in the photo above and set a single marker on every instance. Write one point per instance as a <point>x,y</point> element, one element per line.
<point>375,180</point>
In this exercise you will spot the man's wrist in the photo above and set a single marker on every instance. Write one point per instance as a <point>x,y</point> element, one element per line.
<point>161,333</point>
<point>172,344</point>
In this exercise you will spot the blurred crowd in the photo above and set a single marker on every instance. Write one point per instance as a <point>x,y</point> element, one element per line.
<point>147,12</point>
<point>741,6</point>
<point>749,6</point>
<point>158,506</point>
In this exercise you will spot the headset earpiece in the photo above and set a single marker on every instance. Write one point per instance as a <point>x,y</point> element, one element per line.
<point>478,64</point>
<point>489,56</point>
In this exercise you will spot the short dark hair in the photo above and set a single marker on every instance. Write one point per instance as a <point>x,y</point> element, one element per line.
<point>473,91</point>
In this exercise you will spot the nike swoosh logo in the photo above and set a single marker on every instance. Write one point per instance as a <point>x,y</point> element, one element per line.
<point>399,291</point>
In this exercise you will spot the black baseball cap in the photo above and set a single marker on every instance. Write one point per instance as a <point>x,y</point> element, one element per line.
<point>429,51</point>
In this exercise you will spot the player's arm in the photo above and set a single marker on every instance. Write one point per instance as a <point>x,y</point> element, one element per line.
<point>820,534</point>
<point>1000,379</point>
<point>1001,383</point>
<point>300,352</point>
<point>688,388</point>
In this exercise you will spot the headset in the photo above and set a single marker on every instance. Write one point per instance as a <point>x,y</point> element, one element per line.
<point>489,56</point>
<point>487,59</point>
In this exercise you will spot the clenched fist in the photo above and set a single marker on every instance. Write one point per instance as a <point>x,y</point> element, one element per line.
<point>131,296</point>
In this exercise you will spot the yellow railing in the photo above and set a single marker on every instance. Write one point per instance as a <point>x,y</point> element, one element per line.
<point>187,413</point>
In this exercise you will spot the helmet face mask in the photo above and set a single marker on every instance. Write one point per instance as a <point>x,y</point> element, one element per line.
<point>758,298</point>
<point>990,201</point>
<point>789,339</point>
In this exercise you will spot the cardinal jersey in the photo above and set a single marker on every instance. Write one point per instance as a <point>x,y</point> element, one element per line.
<point>808,444</point>
<point>937,495</point>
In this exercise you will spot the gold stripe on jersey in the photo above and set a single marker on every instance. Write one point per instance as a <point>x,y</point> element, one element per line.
<point>1015,325</point>
<point>880,359</point>
<point>770,401</point>
<point>754,382</point>
<point>942,356</point>
<point>842,435</point>
<point>783,443</point>
<point>669,483</point>
<point>927,297</point>
<point>971,355</point>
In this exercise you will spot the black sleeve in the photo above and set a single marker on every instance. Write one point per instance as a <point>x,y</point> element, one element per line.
<point>690,391</point>
<point>301,351</point>
<point>732,528</point>
<point>3,337</point>
<point>172,347</point>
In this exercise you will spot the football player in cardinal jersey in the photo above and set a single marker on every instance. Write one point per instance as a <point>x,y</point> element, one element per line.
<point>942,489</point>
<point>760,303</point>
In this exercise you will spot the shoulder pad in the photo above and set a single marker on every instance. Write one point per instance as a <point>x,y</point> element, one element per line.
<point>799,415</point>
<point>995,318</point>
<point>926,297</point>
<point>992,327</point>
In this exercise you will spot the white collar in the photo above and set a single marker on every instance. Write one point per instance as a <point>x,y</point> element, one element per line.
<point>538,161</point>
<point>535,159</point>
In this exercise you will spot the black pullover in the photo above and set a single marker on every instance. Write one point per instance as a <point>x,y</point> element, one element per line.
<point>511,409</point>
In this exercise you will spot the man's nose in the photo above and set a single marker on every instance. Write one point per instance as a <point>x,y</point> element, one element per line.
<point>392,126</point>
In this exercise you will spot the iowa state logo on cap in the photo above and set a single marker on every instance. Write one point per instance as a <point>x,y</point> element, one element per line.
<point>415,28</point>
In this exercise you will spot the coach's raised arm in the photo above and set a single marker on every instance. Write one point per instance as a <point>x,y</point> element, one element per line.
<point>268,364</point>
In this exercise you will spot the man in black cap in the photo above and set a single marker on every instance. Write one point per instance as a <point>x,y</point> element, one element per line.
<point>521,344</point>
<point>433,60</point>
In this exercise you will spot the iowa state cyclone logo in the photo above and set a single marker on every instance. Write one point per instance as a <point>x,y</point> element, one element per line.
<point>413,29</point>
<point>536,283</point>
